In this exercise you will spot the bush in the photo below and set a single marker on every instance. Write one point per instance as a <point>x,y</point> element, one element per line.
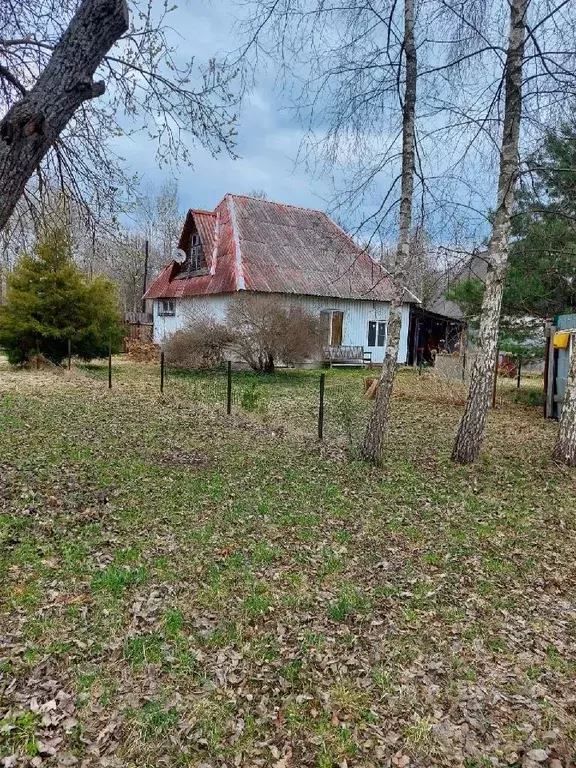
<point>265,332</point>
<point>201,345</point>
<point>532,397</point>
<point>50,302</point>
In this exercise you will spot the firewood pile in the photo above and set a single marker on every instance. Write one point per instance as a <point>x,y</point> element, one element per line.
<point>141,351</point>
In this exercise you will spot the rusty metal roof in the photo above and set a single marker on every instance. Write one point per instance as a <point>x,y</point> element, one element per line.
<point>257,245</point>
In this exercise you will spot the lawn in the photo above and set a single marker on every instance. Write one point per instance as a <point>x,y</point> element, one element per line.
<point>183,588</point>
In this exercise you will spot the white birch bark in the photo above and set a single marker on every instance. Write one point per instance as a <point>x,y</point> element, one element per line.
<point>471,431</point>
<point>373,444</point>
<point>34,123</point>
<point>565,447</point>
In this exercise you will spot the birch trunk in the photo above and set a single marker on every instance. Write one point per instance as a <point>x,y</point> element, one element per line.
<point>471,431</point>
<point>565,448</point>
<point>34,123</point>
<point>377,427</point>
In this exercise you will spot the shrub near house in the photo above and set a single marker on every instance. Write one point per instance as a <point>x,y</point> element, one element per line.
<point>257,330</point>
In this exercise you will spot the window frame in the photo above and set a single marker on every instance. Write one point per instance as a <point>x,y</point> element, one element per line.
<point>196,253</point>
<point>162,311</point>
<point>377,334</point>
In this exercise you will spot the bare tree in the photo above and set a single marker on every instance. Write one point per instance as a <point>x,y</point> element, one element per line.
<point>266,332</point>
<point>48,56</point>
<point>169,220</point>
<point>102,245</point>
<point>471,431</point>
<point>373,444</point>
<point>259,194</point>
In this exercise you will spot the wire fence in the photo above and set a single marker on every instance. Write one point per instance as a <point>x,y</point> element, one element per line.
<point>291,399</point>
<point>328,405</point>
<point>331,409</point>
<point>321,404</point>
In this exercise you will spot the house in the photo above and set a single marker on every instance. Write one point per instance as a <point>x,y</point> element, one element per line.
<point>296,254</point>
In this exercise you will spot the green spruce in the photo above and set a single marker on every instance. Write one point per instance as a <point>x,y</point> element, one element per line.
<point>51,303</point>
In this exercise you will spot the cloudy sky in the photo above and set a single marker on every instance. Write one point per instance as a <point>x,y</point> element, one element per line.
<point>269,138</point>
<point>268,134</point>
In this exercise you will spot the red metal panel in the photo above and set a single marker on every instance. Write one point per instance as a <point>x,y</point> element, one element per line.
<point>287,249</point>
<point>206,226</point>
<point>283,249</point>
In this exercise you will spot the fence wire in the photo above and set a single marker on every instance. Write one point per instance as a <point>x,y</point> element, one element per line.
<point>282,399</point>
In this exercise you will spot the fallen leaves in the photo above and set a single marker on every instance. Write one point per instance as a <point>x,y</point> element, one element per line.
<point>279,605</point>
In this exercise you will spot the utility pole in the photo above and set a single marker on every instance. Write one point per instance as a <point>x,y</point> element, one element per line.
<point>145,275</point>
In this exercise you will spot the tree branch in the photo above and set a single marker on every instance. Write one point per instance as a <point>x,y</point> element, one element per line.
<point>12,79</point>
<point>34,123</point>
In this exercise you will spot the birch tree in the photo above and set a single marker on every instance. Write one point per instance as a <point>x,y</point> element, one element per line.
<point>537,84</point>
<point>565,446</point>
<point>357,71</point>
<point>373,444</point>
<point>471,431</point>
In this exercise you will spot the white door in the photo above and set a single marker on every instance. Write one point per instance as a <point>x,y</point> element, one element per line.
<point>377,332</point>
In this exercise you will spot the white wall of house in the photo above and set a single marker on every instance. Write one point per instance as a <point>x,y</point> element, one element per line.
<point>357,314</point>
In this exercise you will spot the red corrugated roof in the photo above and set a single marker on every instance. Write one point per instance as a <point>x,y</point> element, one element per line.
<point>258,245</point>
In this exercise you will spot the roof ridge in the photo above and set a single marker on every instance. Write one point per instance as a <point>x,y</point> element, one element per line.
<point>202,210</point>
<point>277,202</point>
<point>239,267</point>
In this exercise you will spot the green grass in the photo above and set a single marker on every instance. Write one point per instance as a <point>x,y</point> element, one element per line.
<point>278,598</point>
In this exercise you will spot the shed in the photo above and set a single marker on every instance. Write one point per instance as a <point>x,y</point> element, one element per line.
<point>557,364</point>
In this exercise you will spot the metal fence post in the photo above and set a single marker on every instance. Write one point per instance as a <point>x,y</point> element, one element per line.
<point>229,389</point>
<point>321,407</point>
<point>162,371</point>
<point>110,366</point>
<point>69,354</point>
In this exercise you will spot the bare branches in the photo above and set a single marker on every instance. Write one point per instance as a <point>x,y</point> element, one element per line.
<point>151,88</point>
<point>12,80</point>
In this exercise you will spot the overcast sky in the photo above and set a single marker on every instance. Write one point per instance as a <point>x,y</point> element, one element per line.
<point>268,135</point>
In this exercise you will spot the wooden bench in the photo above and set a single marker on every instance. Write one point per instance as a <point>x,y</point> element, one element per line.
<point>351,355</point>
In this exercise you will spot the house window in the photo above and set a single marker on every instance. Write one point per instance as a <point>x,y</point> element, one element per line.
<point>332,322</point>
<point>377,332</point>
<point>166,307</point>
<point>196,253</point>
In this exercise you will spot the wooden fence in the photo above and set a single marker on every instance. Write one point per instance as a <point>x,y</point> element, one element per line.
<point>139,325</point>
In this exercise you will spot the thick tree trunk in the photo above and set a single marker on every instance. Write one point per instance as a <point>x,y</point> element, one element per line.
<point>565,448</point>
<point>34,123</point>
<point>373,444</point>
<point>471,431</point>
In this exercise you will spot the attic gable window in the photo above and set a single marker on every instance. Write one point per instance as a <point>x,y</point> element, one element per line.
<point>196,254</point>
